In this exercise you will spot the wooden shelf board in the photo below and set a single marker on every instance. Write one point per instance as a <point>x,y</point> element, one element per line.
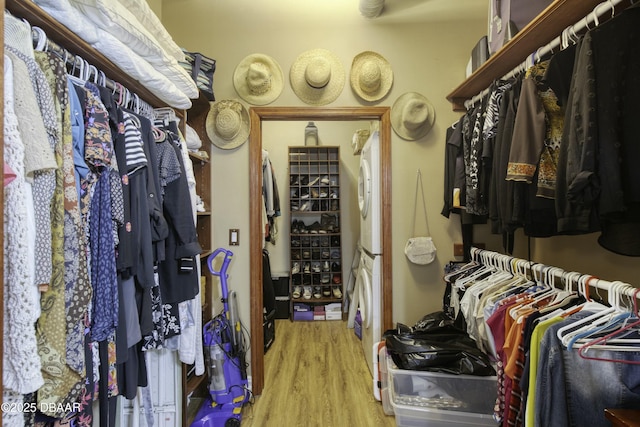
<point>197,156</point>
<point>318,300</point>
<point>544,28</point>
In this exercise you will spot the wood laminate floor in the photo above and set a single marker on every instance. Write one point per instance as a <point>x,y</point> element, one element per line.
<point>316,376</point>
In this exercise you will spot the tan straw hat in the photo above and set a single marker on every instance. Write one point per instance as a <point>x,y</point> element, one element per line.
<point>227,124</point>
<point>258,79</point>
<point>317,77</point>
<point>371,76</point>
<point>412,116</point>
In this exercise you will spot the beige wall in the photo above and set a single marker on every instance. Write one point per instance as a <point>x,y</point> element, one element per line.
<point>156,6</point>
<point>427,57</point>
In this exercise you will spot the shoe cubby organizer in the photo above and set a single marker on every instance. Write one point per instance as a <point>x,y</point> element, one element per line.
<point>316,254</point>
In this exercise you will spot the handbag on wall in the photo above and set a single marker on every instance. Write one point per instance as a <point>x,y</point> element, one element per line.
<point>420,249</point>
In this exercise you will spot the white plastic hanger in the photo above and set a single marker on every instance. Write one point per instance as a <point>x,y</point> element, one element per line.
<point>566,333</point>
<point>92,70</point>
<point>604,323</point>
<point>42,42</point>
<point>76,74</point>
<point>612,342</point>
<point>599,309</point>
<point>595,13</point>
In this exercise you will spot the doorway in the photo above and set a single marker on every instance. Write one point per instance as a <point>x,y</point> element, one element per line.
<point>259,114</point>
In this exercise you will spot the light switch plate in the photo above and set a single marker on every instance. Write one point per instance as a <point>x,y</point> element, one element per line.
<point>234,237</point>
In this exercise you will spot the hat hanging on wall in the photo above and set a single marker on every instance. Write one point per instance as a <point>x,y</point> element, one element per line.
<point>317,77</point>
<point>371,76</point>
<point>258,79</point>
<point>412,116</point>
<point>227,124</point>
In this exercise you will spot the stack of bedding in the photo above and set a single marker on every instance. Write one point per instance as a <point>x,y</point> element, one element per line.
<point>131,36</point>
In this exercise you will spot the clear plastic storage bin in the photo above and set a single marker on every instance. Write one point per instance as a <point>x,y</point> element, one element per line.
<point>432,399</point>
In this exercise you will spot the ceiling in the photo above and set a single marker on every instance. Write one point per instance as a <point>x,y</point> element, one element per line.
<point>413,11</point>
<point>395,12</point>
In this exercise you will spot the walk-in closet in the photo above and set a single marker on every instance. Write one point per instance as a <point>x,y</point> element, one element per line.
<point>414,213</point>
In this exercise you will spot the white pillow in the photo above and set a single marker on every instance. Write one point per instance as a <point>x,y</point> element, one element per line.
<point>142,11</point>
<point>116,19</point>
<point>174,91</point>
<point>111,16</point>
<point>155,81</point>
<point>68,16</point>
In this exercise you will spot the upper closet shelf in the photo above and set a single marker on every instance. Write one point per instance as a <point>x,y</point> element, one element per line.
<point>543,29</point>
<point>61,35</point>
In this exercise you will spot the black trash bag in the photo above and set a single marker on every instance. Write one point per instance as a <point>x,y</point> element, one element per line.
<point>433,320</point>
<point>438,347</point>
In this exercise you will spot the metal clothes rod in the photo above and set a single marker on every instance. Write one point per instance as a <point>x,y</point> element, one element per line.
<point>519,266</point>
<point>569,35</point>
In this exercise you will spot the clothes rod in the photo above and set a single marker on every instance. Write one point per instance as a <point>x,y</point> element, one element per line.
<point>501,260</point>
<point>606,7</point>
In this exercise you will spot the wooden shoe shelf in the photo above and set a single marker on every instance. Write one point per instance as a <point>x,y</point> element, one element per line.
<point>315,240</point>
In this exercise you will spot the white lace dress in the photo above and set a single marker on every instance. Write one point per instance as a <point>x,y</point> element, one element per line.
<point>21,364</point>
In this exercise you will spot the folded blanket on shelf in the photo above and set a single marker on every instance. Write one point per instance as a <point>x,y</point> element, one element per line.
<point>160,74</point>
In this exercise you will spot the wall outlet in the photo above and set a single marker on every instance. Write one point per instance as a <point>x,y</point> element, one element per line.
<point>458,248</point>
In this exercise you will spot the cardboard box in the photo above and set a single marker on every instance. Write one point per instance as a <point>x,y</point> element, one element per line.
<point>333,315</point>
<point>297,306</point>
<point>303,315</point>
<point>334,306</point>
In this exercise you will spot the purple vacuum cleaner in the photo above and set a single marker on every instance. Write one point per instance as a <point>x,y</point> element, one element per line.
<point>225,351</point>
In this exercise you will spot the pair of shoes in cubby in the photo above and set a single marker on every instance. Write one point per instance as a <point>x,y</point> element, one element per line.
<point>298,180</point>
<point>337,292</point>
<point>298,227</point>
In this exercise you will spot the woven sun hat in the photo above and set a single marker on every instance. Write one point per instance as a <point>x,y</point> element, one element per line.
<point>412,116</point>
<point>371,76</point>
<point>317,77</point>
<point>227,124</point>
<point>258,79</point>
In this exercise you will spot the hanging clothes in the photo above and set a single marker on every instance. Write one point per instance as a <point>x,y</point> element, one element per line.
<point>535,333</point>
<point>270,198</point>
<point>95,241</point>
<point>616,60</point>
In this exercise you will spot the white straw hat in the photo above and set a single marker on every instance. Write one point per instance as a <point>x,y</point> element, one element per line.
<point>227,124</point>
<point>317,77</point>
<point>371,76</point>
<point>412,116</point>
<point>258,79</point>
